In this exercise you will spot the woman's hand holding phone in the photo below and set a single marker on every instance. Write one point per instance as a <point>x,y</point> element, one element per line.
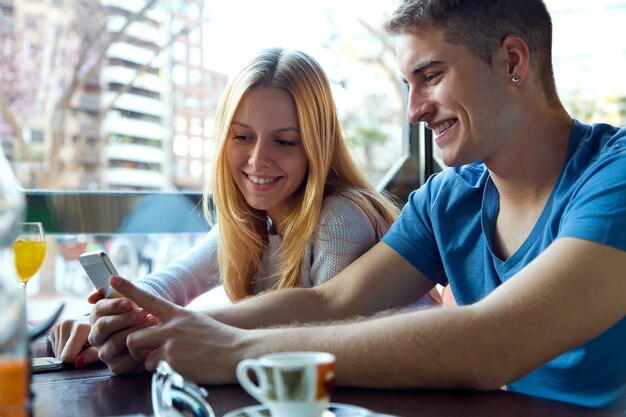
<point>112,320</point>
<point>103,336</point>
<point>69,339</point>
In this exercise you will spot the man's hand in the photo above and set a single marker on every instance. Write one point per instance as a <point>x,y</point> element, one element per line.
<point>195,345</point>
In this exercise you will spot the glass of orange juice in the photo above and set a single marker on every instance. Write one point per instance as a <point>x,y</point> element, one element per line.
<point>29,250</point>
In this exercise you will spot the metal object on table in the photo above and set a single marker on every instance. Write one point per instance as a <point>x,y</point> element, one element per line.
<point>174,396</point>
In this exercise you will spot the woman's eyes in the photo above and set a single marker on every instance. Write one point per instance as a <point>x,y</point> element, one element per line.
<point>284,143</point>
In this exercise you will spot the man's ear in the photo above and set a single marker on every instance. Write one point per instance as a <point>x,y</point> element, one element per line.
<point>514,56</point>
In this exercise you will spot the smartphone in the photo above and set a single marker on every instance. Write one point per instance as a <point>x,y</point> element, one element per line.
<point>99,269</point>
<point>45,364</point>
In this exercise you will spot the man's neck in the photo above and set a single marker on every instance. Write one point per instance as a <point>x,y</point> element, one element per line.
<point>533,160</point>
<point>525,176</point>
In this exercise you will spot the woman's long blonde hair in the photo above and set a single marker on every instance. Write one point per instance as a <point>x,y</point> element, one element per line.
<point>243,232</point>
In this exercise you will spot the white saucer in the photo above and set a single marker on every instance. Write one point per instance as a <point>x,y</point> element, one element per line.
<point>334,410</point>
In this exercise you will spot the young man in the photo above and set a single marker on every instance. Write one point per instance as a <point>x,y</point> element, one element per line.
<point>528,229</point>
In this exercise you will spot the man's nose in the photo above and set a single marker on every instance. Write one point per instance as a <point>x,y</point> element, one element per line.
<point>419,107</point>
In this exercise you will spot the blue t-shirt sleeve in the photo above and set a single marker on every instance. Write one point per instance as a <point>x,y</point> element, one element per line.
<point>597,210</point>
<point>412,234</point>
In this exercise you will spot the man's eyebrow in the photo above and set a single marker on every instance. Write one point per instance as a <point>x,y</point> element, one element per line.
<point>423,67</point>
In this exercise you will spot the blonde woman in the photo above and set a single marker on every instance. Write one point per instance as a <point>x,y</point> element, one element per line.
<point>292,207</point>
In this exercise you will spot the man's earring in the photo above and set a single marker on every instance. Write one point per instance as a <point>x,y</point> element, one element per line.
<point>516,78</point>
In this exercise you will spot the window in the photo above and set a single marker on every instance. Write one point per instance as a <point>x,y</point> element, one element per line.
<point>179,51</point>
<point>195,147</point>
<point>588,63</point>
<point>195,77</point>
<point>179,75</point>
<point>36,136</point>
<point>147,96</point>
<point>184,73</point>
<point>195,56</point>
<point>181,145</point>
<point>172,81</point>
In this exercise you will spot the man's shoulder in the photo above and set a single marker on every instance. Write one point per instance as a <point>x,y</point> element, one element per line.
<point>600,139</point>
<point>457,180</point>
<point>595,150</point>
<point>451,190</point>
<point>607,130</point>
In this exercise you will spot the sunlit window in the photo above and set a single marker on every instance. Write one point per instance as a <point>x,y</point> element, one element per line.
<point>121,95</point>
<point>195,167</point>
<point>179,75</point>
<point>195,77</point>
<point>195,56</point>
<point>195,147</point>
<point>180,123</point>
<point>181,145</point>
<point>130,65</point>
<point>589,64</point>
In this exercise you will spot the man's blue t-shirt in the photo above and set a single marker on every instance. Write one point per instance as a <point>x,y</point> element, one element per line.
<point>446,231</point>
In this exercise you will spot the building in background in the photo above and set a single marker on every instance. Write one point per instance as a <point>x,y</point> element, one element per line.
<point>117,94</point>
<point>195,93</point>
<point>27,78</point>
<point>101,93</point>
<point>126,99</point>
<point>136,130</point>
<point>6,31</point>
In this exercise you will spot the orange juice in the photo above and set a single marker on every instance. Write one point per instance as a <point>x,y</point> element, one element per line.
<point>13,387</point>
<point>29,255</point>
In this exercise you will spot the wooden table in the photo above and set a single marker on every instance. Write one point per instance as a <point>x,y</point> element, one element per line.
<point>95,392</point>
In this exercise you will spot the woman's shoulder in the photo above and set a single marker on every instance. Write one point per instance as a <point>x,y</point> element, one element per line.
<point>340,210</point>
<point>338,204</point>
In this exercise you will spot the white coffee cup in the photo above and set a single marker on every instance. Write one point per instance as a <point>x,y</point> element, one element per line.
<point>290,383</point>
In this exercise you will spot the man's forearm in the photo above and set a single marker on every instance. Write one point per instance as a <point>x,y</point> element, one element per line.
<point>404,350</point>
<point>337,299</point>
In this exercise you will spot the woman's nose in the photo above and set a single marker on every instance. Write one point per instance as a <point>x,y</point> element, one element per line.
<point>260,155</point>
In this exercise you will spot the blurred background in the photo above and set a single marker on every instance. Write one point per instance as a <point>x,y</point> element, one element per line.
<point>115,97</point>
